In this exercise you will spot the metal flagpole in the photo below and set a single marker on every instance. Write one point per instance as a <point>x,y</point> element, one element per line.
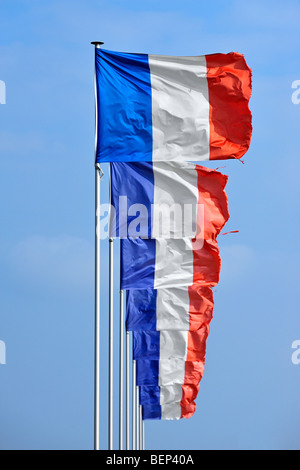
<point>133,403</point>
<point>98,176</point>
<point>111,335</point>
<point>121,371</point>
<point>127,392</point>
<point>144,435</point>
<point>111,343</point>
<point>97,318</point>
<point>141,427</point>
<point>137,418</point>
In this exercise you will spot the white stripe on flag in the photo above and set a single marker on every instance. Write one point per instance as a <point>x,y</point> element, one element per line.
<point>171,394</point>
<point>171,412</point>
<point>173,344</point>
<point>175,193</point>
<point>171,371</point>
<point>174,263</point>
<point>180,108</point>
<point>172,308</point>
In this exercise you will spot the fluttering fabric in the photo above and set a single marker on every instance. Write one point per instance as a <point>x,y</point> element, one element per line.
<point>157,115</point>
<point>169,355</point>
<point>168,402</point>
<point>157,263</point>
<point>162,108</point>
<point>169,387</point>
<point>170,329</point>
<point>169,280</point>
<point>161,263</point>
<point>176,308</point>
<point>167,200</point>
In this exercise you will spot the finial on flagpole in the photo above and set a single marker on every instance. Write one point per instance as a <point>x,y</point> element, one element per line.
<point>97,43</point>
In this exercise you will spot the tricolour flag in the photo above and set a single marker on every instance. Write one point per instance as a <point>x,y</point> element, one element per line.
<point>157,264</point>
<point>179,309</point>
<point>161,349</point>
<point>173,402</point>
<point>171,261</point>
<point>166,372</point>
<point>169,324</point>
<point>168,388</point>
<point>168,277</point>
<point>162,108</point>
<point>168,344</point>
<point>167,200</point>
<point>168,403</point>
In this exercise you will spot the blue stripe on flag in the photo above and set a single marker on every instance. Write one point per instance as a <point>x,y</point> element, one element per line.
<point>147,372</point>
<point>146,345</point>
<point>136,182</point>
<point>137,263</point>
<point>124,107</point>
<point>141,310</point>
<point>149,395</point>
<point>151,412</point>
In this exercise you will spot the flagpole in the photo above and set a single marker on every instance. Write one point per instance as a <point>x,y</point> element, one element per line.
<point>141,427</point>
<point>97,318</point>
<point>144,435</point>
<point>127,392</point>
<point>98,176</point>
<point>133,403</point>
<point>121,371</point>
<point>137,418</point>
<point>111,344</point>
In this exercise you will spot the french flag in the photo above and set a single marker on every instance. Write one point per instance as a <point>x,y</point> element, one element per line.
<point>162,108</point>
<point>157,263</point>
<point>168,278</point>
<point>170,329</point>
<point>160,345</point>
<point>167,200</point>
<point>161,256</point>
<point>174,378</point>
<point>177,308</point>
<point>168,403</point>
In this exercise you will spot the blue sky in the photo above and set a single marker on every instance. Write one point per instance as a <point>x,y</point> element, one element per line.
<point>249,397</point>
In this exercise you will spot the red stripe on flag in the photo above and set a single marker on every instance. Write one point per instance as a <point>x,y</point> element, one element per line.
<point>196,348</point>
<point>229,86</point>
<point>201,307</point>
<point>193,375</point>
<point>193,372</point>
<point>189,393</point>
<point>207,266</point>
<point>207,263</point>
<point>211,193</point>
<point>188,410</point>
